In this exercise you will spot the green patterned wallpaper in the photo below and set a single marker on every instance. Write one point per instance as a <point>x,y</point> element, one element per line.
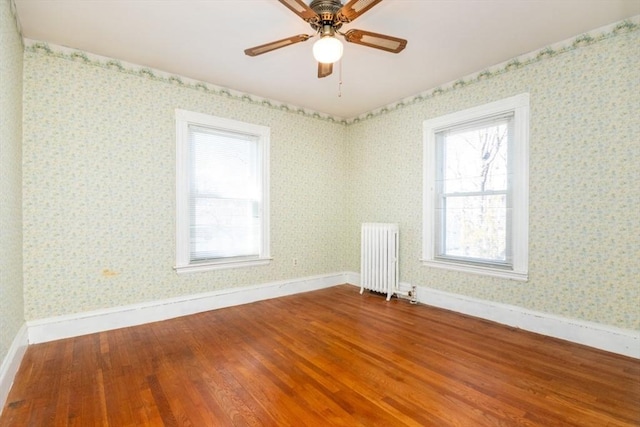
<point>99,181</point>
<point>11,299</point>
<point>584,171</point>
<point>99,188</point>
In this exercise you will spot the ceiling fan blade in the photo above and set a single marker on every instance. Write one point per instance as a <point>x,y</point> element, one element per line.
<point>324,70</point>
<point>300,8</point>
<point>268,47</point>
<point>354,9</point>
<point>378,41</point>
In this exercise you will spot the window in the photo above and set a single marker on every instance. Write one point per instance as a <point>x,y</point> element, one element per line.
<point>222,193</point>
<point>476,189</point>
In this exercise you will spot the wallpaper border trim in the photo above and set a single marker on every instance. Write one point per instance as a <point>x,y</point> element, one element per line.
<point>622,27</point>
<point>75,55</point>
<point>586,39</point>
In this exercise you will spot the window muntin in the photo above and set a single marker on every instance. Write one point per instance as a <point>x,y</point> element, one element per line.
<point>476,189</point>
<point>222,193</point>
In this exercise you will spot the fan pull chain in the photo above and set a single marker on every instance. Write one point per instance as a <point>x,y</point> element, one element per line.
<point>340,80</point>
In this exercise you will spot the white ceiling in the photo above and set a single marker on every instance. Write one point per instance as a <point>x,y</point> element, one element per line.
<point>205,40</point>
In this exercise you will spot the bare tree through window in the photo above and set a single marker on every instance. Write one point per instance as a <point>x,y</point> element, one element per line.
<point>474,192</point>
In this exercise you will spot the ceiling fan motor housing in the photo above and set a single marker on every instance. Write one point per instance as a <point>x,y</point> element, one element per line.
<point>327,12</point>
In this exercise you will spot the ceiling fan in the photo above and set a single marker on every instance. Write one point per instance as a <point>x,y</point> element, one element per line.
<point>326,17</point>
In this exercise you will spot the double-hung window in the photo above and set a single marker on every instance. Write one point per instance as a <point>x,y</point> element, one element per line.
<point>222,193</point>
<point>476,189</point>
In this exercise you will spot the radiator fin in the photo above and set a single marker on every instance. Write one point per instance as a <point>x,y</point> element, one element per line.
<point>379,258</point>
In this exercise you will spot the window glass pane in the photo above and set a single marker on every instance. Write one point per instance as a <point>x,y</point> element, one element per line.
<point>224,228</point>
<point>224,196</point>
<point>475,227</point>
<point>223,166</point>
<point>475,159</point>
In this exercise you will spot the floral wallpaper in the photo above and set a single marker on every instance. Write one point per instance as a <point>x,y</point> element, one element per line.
<point>584,168</point>
<point>99,187</point>
<point>99,181</point>
<point>11,299</point>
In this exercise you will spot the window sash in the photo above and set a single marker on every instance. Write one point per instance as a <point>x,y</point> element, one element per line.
<point>453,233</point>
<point>447,229</point>
<point>237,237</point>
<point>515,264</point>
<point>225,221</point>
<point>240,237</point>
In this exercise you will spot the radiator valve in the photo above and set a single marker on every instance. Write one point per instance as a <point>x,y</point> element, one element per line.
<point>413,293</point>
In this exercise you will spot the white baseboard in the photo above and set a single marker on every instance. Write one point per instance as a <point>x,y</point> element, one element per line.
<point>597,335</point>
<point>352,278</point>
<point>609,338</point>
<point>43,330</point>
<point>11,363</point>
<point>604,337</point>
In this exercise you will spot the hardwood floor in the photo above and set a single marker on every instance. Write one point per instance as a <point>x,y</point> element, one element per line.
<point>330,357</point>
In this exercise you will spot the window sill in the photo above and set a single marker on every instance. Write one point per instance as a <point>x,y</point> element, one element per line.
<point>485,271</point>
<point>220,265</point>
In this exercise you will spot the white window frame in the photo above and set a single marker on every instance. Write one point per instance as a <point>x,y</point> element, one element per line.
<point>519,233</point>
<point>184,119</point>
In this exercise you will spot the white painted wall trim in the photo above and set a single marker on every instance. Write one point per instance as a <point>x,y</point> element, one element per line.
<point>604,337</point>
<point>11,363</point>
<point>53,328</point>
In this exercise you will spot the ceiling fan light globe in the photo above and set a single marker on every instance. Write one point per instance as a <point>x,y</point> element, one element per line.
<point>327,50</point>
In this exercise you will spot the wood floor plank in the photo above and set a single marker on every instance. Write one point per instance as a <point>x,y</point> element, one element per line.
<point>330,357</point>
